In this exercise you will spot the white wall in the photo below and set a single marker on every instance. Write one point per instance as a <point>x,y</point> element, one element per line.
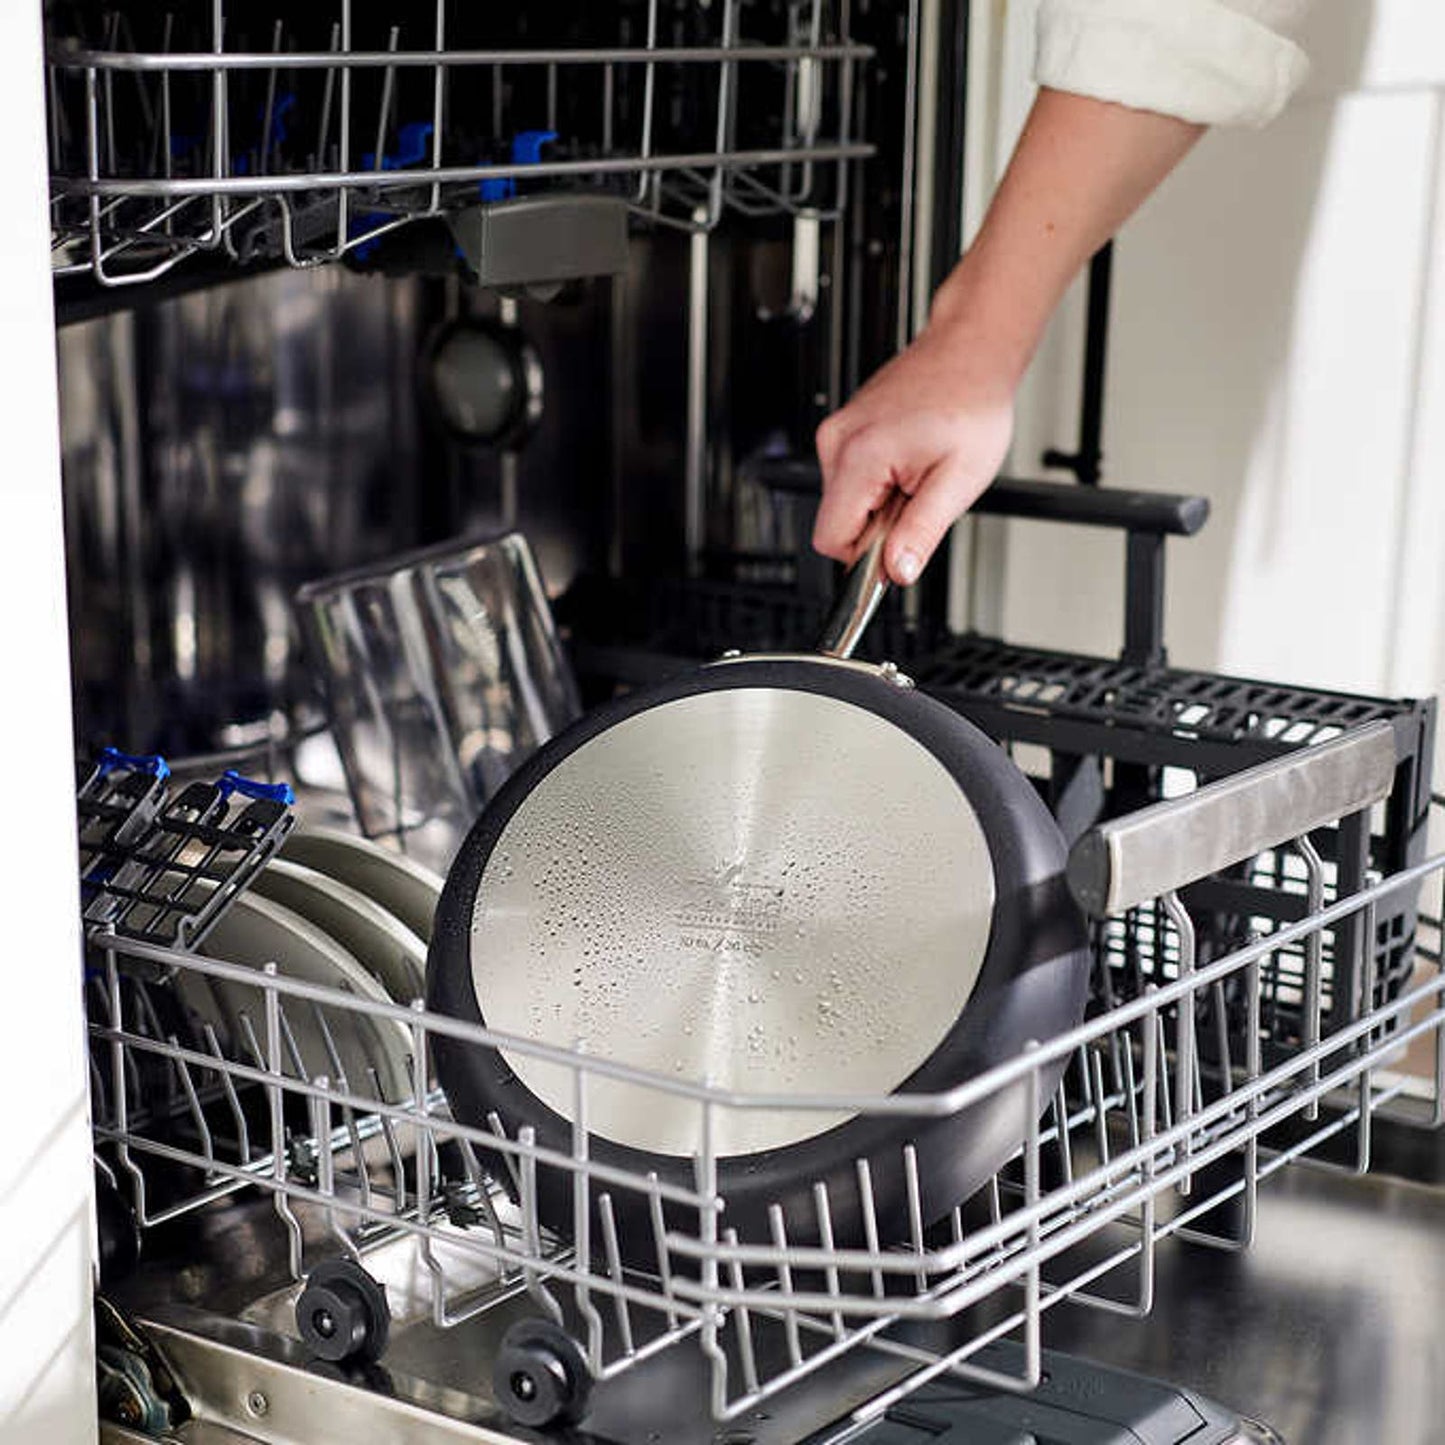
<point>1278,345</point>
<point>47,1394</point>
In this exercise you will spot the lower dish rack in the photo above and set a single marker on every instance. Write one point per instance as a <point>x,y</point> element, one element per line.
<point>1150,1136</point>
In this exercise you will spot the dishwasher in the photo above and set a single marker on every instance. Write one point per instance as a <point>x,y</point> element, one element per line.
<point>341,289</point>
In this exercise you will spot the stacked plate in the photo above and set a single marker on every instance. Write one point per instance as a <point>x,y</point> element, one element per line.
<point>341,912</point>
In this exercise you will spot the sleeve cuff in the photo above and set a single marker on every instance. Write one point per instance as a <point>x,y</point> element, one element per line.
<point>1195,59</point>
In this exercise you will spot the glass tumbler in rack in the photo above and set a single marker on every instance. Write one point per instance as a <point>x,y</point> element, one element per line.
<point>443,671</point>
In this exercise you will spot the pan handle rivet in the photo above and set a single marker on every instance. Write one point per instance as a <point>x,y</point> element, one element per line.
<point>890,673</point>
<point>257,1403</point>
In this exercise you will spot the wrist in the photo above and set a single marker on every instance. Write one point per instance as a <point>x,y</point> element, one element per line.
<point>982,318</point>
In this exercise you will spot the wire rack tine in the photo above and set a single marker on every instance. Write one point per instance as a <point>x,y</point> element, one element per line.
<point>743,1324</point>
<point>238,1116</point>
<point>388,90</point>
<point>777,1226</point>
<point>915,1210</point>
<point>118,1088</point>
<point>343,156</point>
<point>659,1237</point>
<point>614,1271</point>
<point>1437,1113</point>
<point>439,88</point>
<point>1185,1062</point>
<point>1314,958</point>
<point>393,1147</point>
<point>824,1211</point>
<point>531,1225</point>
<point>869,1208</point>
<point>494,1123</point>
<point>705,1169</point>
<point>348,1114</point>
<point>1033,1357</point>
<point>271,1000</point>
<point>582,1216</point>
<point>426,1168</point>
<point>293,1048</point>
<point>1365,1093</point>
<point>148,1021</point>
<point>268,113</point>
<point>320,1108</point>
<point>482,1185</point>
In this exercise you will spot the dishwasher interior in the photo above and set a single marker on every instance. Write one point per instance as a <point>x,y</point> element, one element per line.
<point>340,293</point>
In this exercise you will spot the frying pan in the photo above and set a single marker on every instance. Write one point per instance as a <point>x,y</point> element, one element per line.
<point>778,874</point>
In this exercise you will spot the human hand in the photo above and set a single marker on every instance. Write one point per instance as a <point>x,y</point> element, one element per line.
<point>934,423</point>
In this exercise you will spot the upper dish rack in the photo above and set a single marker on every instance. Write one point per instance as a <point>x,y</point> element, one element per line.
<point>222,128</point>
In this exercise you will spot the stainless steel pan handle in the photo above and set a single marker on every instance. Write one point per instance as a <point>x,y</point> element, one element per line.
<point>1161,849</point>
<point>864,587</point>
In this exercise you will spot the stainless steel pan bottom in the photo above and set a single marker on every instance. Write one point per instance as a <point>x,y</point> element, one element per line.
<point>754,888</point>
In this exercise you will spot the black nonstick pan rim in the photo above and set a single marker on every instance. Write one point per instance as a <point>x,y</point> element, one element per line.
<point>1032,986</point>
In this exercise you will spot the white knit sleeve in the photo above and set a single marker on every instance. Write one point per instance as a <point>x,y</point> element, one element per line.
<point>1216,62</point>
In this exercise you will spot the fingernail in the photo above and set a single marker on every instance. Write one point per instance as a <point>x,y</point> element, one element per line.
<point>908,566</point>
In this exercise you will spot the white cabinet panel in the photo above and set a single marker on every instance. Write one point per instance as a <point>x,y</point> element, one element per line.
<point>1264,352</point>
<point>1374,44</point>
<point>1417,652</point>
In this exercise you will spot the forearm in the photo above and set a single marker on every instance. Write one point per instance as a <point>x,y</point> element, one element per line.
<point>1081,168</point>
<point>935,422</point>
<point>1127,86</point>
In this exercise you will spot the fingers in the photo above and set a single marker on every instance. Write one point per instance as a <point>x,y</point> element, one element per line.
<point>945,493</point>
<point>829,438</point>
<point>859,471</point>
<point>942,458</point>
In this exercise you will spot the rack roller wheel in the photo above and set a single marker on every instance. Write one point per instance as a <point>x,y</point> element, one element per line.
<point>540,1375</point>
<point>342,1313</point>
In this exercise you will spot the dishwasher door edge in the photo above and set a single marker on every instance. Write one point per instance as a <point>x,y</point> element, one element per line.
<point>277,1402</point>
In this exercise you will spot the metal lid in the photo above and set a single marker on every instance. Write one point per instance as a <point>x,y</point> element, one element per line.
<point>758,888</point>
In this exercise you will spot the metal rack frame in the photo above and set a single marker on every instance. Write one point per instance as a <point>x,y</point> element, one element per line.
<point>128,211</point>
<point>1144,1140</point>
